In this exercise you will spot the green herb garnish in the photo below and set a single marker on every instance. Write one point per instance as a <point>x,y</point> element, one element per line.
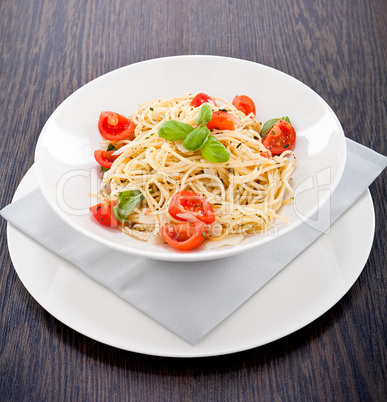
<point>270,123</point>
<point>198,138</point>
<point>205,114</point>
<point>127,201</point>
<point>214,151</point>
<point>173,130</point>
<point>111,147</point>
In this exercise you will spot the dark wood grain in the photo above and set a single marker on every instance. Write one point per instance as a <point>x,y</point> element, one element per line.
<point>49,48</point>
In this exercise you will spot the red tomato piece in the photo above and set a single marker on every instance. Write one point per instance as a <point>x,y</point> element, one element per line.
<point>266,154</point>
<point>103,213</point>
<point>223,121</point>
<point>201,98</point>
<point>280,137</point>
<point>184,236</point>
<point>191,203</point>
<point>115,127</point>
<point>105,158</point>
<point>244,104</point>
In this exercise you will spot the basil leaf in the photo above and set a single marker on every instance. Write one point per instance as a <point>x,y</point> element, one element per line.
<point>127,201</point>
<point>270,123</point>
<point>215,151</point>
<point>111,147</point>
<point>173,130</point>
<point>205,114</point>
<point>196,138</point>
<point>103,169</point>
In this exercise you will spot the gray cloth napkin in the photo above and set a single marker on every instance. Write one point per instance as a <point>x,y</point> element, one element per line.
<point>190,298</point>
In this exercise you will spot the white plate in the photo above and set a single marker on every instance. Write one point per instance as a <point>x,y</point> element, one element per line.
<point>300,293</point>
<point>67,170</point>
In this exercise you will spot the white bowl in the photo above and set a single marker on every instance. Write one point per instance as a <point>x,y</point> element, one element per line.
<point>67,171</point>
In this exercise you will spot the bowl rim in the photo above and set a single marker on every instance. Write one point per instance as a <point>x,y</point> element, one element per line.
<point>176,255</point>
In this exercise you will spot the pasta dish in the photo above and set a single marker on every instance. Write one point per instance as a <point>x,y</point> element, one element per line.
<point>194,166</point>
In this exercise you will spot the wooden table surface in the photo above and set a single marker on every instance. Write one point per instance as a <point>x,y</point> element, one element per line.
<point>49,48</point>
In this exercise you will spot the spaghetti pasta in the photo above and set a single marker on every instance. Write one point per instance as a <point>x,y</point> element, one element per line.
<point>245,192</point>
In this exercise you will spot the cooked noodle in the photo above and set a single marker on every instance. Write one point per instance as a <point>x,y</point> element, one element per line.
<point>245,192</point>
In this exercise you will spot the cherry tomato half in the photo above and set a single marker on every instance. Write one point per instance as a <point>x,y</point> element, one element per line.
<point>105,158</point>
<point>201,98</point>
<point>280,137</point>
<point>223,121</point>
<point>103,213</point>
<point>184,236</point>
<point>244,104</point>
<point>191,203</point>
<point>115,127</point>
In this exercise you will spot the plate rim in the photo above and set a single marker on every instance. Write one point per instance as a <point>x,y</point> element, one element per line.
<point>192,351</point>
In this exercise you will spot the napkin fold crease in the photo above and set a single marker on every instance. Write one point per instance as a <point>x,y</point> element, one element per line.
<point>190,298</point>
